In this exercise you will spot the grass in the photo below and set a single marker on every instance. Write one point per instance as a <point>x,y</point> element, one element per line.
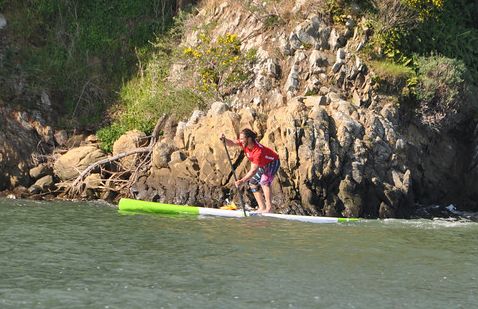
<point>149,94</point>
<point>79,52</point>
<point>391,77</point>
<point>389,70</point>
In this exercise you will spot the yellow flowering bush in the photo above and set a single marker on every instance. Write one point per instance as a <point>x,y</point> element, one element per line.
<point>219,64</point>
<point>425,8</point>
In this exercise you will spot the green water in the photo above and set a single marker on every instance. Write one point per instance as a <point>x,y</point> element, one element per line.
<point>86,255</point>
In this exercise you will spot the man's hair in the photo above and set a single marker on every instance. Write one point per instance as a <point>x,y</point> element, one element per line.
<point>249,133</point>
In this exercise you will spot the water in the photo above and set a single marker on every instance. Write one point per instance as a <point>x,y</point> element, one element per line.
<point>87,255</point>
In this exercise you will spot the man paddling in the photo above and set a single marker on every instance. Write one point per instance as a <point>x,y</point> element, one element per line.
<point>264,166</point>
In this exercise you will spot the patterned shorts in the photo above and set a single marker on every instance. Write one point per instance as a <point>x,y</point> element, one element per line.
<point>265,175</point>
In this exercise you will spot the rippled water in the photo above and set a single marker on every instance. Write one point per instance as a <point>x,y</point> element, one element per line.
<point>87,255</point>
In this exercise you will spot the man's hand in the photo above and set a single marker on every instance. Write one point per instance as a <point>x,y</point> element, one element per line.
<point>239,182</point>
<point>222,137</point>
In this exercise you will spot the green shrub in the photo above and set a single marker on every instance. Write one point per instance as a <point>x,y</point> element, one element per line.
<point>338,10</point>
<point>403,28</point>
<point>221,65</point>
<point>442,92</point>
<point>272,21</point>
<point>108,135</point>
<point>452,33</point>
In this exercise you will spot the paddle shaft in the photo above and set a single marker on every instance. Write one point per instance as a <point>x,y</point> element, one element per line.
<point>235,177</point>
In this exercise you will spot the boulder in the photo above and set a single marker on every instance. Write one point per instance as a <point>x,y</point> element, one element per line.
<point>76,160</point>
<point>196,115</point>
<point>351,196</point>
<point>91,139</point>
<point>294,42</point>
<point>34,189</point>
<point>40,171</point>
<point>162,154</point>
<point>76,140</point>
<point>324,37</point>
<point>128,141</point>
<point>317,61</point>
<point>45,183</point>
<point>385,211</point>
<point>272,68</point>
<point>311,101</point>
<point>93,181</point>
<point>285,46</point>
<point>217,108</point>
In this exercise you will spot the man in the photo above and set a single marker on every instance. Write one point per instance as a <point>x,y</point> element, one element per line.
<point>264,166</point>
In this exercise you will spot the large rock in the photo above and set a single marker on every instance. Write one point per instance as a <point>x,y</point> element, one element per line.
<point>93,181</point>
<point>350,195</point>
<point>162,154</point>
<point>18,141</point>
<point>329,160</point>
<point>40,171</point>
<point>128,141</point>
<point>76,160</point>
<point>217,108</point>
<point>196,174</point>
<point>45,183</point>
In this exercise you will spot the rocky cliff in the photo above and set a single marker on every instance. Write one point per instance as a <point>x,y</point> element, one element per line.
<point>348,150</point>
<point>347,146</point>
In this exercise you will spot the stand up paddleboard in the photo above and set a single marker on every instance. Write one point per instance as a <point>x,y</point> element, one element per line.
<point>130,205</point>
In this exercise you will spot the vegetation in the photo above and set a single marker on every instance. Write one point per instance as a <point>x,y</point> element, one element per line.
<point>220,64</point>
<point>79,52</point>
<point>442,91</point>
<point>393,77</point>
<point>405,28</point>
<point>95,58</point>
<point>150,94</point>
<point>424,50</point>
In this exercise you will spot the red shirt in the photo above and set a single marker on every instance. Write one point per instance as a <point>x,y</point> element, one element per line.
<point>260,154</point>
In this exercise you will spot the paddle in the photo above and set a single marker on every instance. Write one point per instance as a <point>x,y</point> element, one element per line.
<point>235,177</point>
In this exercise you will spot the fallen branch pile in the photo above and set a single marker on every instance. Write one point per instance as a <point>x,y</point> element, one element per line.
<point>119,178</point>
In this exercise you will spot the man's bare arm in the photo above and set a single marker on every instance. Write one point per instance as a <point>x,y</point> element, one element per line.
<point>229,142</point>
<point>252,172</point>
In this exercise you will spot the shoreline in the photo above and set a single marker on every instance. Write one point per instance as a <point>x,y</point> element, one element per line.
<point>433,212</point>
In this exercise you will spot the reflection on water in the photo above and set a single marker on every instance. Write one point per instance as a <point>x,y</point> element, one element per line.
<point>87,255</point>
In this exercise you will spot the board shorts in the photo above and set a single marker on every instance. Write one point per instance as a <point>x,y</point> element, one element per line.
<point>265,175</point>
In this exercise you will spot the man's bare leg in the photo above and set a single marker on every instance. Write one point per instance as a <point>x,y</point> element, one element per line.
<point>268,195</point>
<point>259,199</point>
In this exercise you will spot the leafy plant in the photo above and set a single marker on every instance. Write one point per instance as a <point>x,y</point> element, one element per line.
<point>272,21</point>
<point>443,92</point>
<point>221,65</point>
<point>425,8</point>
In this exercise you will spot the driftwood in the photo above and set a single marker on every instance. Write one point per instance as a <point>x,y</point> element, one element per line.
<point>145,163</point>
